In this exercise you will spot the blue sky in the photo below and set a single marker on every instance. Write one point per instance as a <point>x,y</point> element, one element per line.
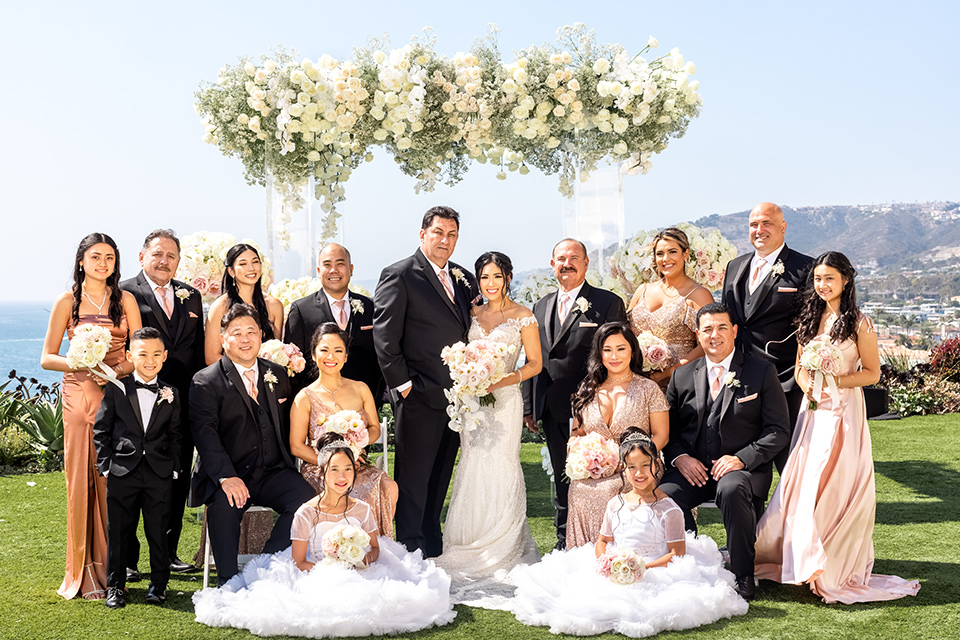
<point>810,103</point>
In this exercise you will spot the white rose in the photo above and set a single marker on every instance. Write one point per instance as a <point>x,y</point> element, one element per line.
<point>602,65</point>
<point>404,143</point>
<point>249,69</point>
<point>521,75</point>
<point>313,156</point>
<point>243,118</point>
<point>295,110</point>
<point>653,43</point>
<point>690,68</point>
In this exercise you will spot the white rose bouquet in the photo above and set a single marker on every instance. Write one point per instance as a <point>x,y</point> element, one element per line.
<point>473,367</point>
<point>621,566</point>
<point>591,457</point>
<point>822,359</point>
<point>351,426</point>
<point>88,348</point>
<point>345,544</point>
<point>284,354</point>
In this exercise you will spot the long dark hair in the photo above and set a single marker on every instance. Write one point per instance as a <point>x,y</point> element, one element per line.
<point>502,262</point>
<point>229,287</point>
<point>596,372</point>
<point>813,306</point>
<point>636,439</point>
<point>329,329</point>
<point>116,295</point>
<point>324,442</point>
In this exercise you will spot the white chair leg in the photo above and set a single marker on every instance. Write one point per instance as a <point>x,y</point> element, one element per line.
<point>207,552</point>
<point>383,441</point>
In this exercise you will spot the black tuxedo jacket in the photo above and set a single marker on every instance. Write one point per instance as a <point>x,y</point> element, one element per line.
<point>184,343</point>
<point>565,348</point>
<point>225,428</point>
<point>120,439</point>
<point>767,331</point>
<point>753,419</point>
<point>414,320</point>
<point>308,313</point>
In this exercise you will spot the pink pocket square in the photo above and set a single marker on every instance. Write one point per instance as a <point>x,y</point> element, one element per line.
<point>752,396</point>
<point>786,289</point>
<point>366,328</point>
<point>193,315</point>
<point>281,400</point>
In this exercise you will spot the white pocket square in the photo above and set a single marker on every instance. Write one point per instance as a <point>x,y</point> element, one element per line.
<point>193,315</point>
<point>786,289</point>
<point>589,324</point>
<point>752,396</point>
<point>366,328</point>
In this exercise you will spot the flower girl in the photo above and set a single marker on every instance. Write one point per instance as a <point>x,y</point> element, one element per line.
<point>644,575</point>
<point>372,587</point>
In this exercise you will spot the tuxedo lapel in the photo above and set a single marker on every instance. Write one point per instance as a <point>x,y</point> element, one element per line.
<point>159,407</point>
<point>134,401</point>
<point>549,319</point>
<point>179,313</point>
<point>146,290</point>
<point>573,314</point>
<point>230,371</point>
<point>271,397</point>
<point>729,391</point>
<point>460,295</point>
<point>739,284</point>
<point>429,274</point>
<point>762,291</point>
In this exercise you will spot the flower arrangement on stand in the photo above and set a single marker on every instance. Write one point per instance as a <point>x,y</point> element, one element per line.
<point>201,262</point>
<point>561,108</point>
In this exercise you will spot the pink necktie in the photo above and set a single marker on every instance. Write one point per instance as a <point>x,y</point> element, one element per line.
<point>715,387</point>
<point>251,384</point>
<point>445,280</point>
<point>342,314</point>
<point>755,280</point>
<point>162,292</point>
<point>562,309</point>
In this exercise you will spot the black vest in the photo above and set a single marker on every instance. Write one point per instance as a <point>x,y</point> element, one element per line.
<point>269,447</point>
<point>708,441</point>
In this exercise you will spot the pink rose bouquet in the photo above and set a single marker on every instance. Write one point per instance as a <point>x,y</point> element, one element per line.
<point>345,544</point>
<point>351,426</point>
<point>656,353</point>
<point>822,358</point>
<point>591,457</point>
<point>473,367</point>
<point>621,566</point>
<point>284,354</point>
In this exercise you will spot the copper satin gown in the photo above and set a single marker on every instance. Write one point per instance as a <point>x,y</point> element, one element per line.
<point>674,323</point>
<point>818,528</point>
<point>588,498</point>
<point>86,563</point>
<point>370,484</point>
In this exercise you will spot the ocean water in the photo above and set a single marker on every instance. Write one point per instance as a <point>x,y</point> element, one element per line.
<point>22,328</point>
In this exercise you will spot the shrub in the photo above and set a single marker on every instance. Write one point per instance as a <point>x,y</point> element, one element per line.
<point>912,399</point>
<point>945,359</point>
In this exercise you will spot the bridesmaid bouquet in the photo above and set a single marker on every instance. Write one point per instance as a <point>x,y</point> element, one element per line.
<point>88,348</point>
<point>345,544</point>
<point>822,358</point>
<point>621,566</point>
<point>284,354</point>
<point>473,367</point>
<point>655,352</point>
<point>591,457</point>
<point>351,426</point>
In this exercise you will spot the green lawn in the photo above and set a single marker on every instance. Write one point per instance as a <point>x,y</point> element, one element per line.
<point>918,528</point>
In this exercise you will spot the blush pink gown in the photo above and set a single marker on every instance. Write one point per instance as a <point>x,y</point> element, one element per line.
<point>818,528</point>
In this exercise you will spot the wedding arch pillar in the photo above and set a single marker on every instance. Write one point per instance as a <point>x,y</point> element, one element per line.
<point>594,214</point>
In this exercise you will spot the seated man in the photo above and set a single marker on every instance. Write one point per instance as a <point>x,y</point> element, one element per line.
<point>728,419</point>
<point>239,414</point>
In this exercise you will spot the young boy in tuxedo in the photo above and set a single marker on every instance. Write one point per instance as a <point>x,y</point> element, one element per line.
<point>137,436</point>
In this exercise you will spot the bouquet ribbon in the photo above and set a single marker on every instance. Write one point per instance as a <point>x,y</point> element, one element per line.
<point>109,374</point>
<point>818,381</point>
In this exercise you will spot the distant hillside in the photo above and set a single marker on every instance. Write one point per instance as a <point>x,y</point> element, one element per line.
<point>887,236</point>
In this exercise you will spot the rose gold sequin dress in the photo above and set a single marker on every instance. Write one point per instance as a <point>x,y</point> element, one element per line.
<point>370,485</point>
<point>818,528</point>
<point>589,498</point>
<point>675,323</point>
<point>86,572</point>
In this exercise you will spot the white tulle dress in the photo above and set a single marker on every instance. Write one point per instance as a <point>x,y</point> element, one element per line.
<point>486,534</point>
<point>399,593</point>
<point>565,592</point>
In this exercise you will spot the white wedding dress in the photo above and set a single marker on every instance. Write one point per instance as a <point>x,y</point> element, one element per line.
<point>486,532</point>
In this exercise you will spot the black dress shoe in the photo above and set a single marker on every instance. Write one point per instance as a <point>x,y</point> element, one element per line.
<point>746,587</point>
<point>179,566</point>
<point>156,594</point>
<point>133,575</point>
<point>561,544</point>
<point>115,598</point>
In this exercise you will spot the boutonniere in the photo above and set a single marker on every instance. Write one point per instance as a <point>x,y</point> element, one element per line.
<point>166,395</point>
<point>582,304</point>
<point>182,294</point>
<point>777,268</point>
<point>270,379</point>
<point>458,275</point>
<point>731,381</point>
<point>356,306</point>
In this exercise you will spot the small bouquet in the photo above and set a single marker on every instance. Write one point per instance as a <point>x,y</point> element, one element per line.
<point>621,566</point>
<point>351,426</point>
<point>591,457</point>
<point>821,358</point>
<point>284,354</point>
<point>473,367</point>
<point>655,352</point>
<point>88,347</point>
<point>345,544</point>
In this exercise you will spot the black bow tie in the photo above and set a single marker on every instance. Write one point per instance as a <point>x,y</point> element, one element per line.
<point>152,388</point>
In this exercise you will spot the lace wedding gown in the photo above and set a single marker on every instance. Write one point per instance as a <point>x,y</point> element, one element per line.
<point>818,527</point>
<point>486,532</point>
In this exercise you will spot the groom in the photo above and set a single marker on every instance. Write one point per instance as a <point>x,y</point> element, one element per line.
<point>728,419</point>
<point>567,319</point>
<point>422,304</point>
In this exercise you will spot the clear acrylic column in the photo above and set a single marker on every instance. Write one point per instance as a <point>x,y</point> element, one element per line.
<point>594,214</point>
<point>294,215</point>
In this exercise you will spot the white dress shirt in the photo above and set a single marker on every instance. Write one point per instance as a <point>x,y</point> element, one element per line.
<point>146,398</point>
<point>242,370</point>
<point>766,263</point>
<point>332,301</point>
<point>168,292</point>
<point>572,295</point>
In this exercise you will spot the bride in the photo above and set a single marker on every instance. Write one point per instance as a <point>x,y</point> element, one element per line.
<point>486,532</point>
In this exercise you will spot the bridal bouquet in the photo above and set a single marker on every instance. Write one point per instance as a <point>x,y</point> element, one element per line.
<point>621,566</point>
<point>284,354</point>
<point>474,366</point>
<point>821,358</point>
<point>655,352</point>
<point>88,347</point>
<point>351,426</point>
<point>591,457</point>
<point>345,544</point>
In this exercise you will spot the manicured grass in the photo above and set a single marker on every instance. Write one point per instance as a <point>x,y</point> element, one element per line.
<point>918,526</point>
